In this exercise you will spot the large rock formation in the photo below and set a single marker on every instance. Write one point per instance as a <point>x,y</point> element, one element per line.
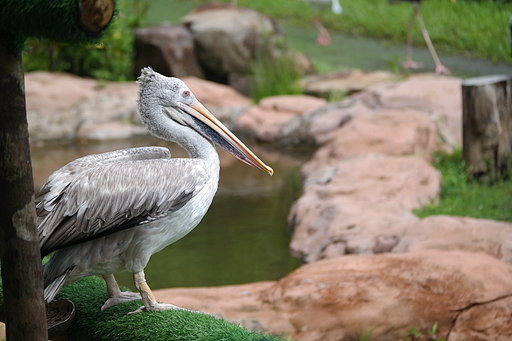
<point>169,50</point>
<point>229,39</point>
<point>467,294</point>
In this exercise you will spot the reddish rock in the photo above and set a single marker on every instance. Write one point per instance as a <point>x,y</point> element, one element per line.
<point>459,233</point>
<point>168,49</point>
<point>61,105</point>
<point>222,100</point>
<point>266,119</point>
<point>229,39</point>
<point>58,103</point>
<point>344,82</point>
<point>388,132</point>
<point>339,298</point>
<point>109,130</point>
<point>351,206</point>
<point>439,97</point>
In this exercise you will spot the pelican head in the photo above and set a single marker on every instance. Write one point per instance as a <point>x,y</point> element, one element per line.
<point>167,105</point>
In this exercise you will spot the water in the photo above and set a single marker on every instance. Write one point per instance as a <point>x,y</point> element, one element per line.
<point>243,237</point>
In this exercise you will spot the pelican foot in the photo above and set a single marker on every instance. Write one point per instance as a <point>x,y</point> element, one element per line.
<point>410,64</point>
<point>121,297</point>
<point>157,307</point>
<point>441,70</point>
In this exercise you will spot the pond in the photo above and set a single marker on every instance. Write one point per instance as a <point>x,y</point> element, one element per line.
<point>243,238</point>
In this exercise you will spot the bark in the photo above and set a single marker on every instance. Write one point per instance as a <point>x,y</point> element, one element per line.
<point>487,126</point>
<point>19,246</point>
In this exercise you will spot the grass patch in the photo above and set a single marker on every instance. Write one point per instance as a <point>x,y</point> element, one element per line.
<point>91,323</point>
<point>462,196</point>
<point>274,76</point>
<point>472,28</point>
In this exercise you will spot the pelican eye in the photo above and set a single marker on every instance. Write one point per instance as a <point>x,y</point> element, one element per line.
<point>185,93</point>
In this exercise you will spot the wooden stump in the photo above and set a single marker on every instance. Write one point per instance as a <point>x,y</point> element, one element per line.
<point>487,126</point>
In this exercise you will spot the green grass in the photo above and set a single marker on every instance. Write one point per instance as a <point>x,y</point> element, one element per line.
<point>273,77</point>
<point>472,28</point>
<point>91,323</point>
<point>461,196</point>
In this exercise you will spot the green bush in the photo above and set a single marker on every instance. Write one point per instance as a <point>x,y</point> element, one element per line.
<point>111,59</point>
<point>463,196</point>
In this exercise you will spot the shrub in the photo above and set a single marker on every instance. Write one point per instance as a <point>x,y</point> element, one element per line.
<point>111,59</point>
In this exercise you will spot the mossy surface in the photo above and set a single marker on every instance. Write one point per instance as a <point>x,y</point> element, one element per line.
<point>91,323</point>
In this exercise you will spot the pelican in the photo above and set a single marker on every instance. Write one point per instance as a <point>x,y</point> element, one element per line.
<point>324,38</point>
<point>416,14</point>
<point>105,213</point>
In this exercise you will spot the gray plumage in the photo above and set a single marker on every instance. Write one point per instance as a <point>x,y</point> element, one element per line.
<point>106,213</point>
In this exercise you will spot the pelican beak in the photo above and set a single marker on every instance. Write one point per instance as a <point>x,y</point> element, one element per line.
<point>235,147</point>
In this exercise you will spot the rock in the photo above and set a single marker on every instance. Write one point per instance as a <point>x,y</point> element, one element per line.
<point>108,131</point>
<point>228,39</point>
<point>352,205</point>
<point>223,101</point>
<point>459,233</point>
<point>439,97</point>
<point>317,126</point>
<point>62,107</point>
<point>266,119</point>
<point>58,104</point>
<point>388,132</point>
<point>346,82</point>
<point>466,293</point>
<point>168,49</point>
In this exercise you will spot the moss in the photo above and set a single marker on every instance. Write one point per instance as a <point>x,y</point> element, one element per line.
<point>91,323</point>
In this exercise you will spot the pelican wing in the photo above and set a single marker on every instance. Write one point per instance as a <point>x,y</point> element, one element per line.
<point>93,198</point>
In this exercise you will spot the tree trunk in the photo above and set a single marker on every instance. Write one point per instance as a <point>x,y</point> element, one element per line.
<point>487,126</point>
<point>19,249</point>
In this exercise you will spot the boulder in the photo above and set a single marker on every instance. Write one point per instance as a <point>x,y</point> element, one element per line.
<point>388,132</point>
<point>58,104</point>
<point>466,294</point>
<point>228,39</point>
<point>266,119</point>
<point>459,233</point>
<point>317,126</point>
<point>222,100</point>
<point>346,82</point>
<point>356,205</point>
<point>439,97</point>
<point>63,107</point>
<point>168,49</point>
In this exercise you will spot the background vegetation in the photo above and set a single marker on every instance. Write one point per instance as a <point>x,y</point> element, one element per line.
<point>112,59</point>
<point>474,28</point>
<point>462,196</point>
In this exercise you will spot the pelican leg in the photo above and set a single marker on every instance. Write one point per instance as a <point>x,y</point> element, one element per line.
<point>148,299</point>
<point>324,38</point>
<point>115,294</point>
<point>440,68</point>
<point>409,63</point>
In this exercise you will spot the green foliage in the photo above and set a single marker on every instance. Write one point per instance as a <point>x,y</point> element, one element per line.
<point>274,76</point>
<point>415,334</point>
<point>111,59</point>
<point>473,28</point>
<point>91,323</point>
<point>366,336</point>
<point>462,196</point>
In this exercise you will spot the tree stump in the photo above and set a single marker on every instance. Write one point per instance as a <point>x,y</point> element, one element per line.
<point>487,126</point>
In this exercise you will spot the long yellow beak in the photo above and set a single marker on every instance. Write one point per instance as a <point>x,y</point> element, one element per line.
<point>241,152</point>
